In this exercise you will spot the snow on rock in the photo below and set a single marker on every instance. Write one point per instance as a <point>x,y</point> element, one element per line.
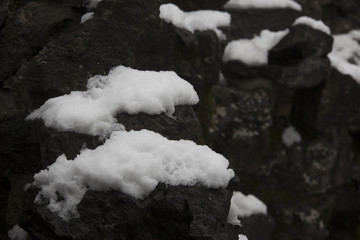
<point>197,20</point>
<point>93,4</point>
<point>253,51</point>
<point>122,90</point>
<point>290,136</point>
<point>242,237</point>
<point>244,206</point>
<point>345,55</point>
<point>263,4</point>
<point>87,17</point>
<point>17,233</point>
<point>132,162</point>
<point>315,24</point>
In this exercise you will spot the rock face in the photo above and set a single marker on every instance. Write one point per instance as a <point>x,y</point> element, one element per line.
<point>310,186</point>
<point>174,212</point>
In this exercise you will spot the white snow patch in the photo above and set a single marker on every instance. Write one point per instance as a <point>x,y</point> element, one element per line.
<point>263,4</point>
<point>244,206</point>
<point>17,233</point>
<point>122,90</point>
<point>93,4</point>
<point>315,24</point>
<point>132,162</point>
<point>197,20</point>
<point>345,55</point>
<point>87,17</point>
<point>253,51</point>
<point>290,136</point>
<point>242,237</point>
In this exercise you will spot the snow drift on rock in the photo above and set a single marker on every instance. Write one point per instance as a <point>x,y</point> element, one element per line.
<point>92,3</point>
<point>123,90</point>
<point>17,233</point>
<point>244,206</point>
<point>198,20</point>
<point>242,237</point>
<point>86,17</point>
<point>315,24</point>
<point>132,162</point>
<point>290,136</point>
<point>263,4</point>
<point>345,55</point>
<point>253,51</point>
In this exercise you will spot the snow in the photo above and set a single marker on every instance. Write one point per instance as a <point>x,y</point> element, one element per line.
<point>197,20</point>
<point>315,24</point>
<point>132,162</point>
<point>87,17</point>
<point>290,136</point>
<point>253,51</point>
<point>345,55</point>
<point>93,4</point>
<point>263,4</point>
<point>17,233</point>
<point>244,206</point>
<point>122,90</point>
<point>242,237</point>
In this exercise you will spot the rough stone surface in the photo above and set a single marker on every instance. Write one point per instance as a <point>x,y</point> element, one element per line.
<point>311,188</point>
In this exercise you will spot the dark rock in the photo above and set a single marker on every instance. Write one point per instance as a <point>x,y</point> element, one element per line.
<point>257,227</point>
<point>241,127</point>
<point>41,145</point>
<point>245,23</point>
<point>341,16</point>
<point>175,212</point>
<point>183,125</point>
<point>334,102</point>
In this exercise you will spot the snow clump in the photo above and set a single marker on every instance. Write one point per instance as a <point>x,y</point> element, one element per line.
<point>92,4</point>
<point>345,55</point>
<point>263,4</point>
<point>197,20</point>
<point>244,206</point>
<point>315,24</point>
<point>17,233</point>
<point>86,17</point>
<point>122,90</point>
<point>131,162</point>
<point>242,237</point>
<point>290,136</point>
<point>253,51</point>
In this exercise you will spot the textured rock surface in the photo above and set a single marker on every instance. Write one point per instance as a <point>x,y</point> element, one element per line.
<point>311,188</point>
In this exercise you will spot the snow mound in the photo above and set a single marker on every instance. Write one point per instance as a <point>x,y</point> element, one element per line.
<point>17,233</point>
<point>244,206</point>
<point>197,20</point>
<point>345,55</point>
<point>132,162</point>
<point>242,237</point>
<point>93,4</point>
<point>315,24</point>
<point>263,4</point>
<point>253,51</point>
<point>86,17</point>
<point>122,90</point>
<point>290,136</point>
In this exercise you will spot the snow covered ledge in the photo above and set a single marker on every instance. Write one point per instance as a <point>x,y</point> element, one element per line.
<point>122,90</point>
<point>263,4</point>
<point>345,54</point>
<point>253,52</point>
<point>198,20</point>
<point>131,162</point>
<point>315,24</point>
<point>244,206</point>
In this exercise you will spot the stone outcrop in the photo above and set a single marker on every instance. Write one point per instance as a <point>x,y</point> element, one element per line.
<point>311,188</point>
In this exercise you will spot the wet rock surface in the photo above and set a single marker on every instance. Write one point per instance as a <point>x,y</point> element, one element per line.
<point>311,188</point>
